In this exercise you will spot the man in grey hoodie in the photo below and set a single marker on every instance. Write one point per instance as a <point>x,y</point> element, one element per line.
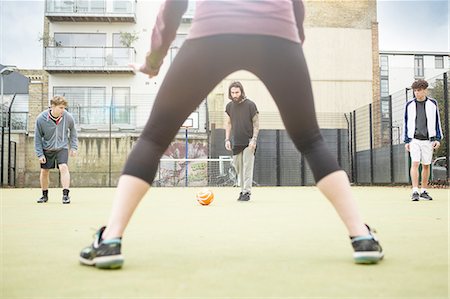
<point>54,133</point>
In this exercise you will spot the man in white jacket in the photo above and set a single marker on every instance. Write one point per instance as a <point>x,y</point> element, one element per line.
<point>423,133</point>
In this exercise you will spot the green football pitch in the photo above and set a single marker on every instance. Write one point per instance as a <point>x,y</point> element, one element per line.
<point>287,242</point>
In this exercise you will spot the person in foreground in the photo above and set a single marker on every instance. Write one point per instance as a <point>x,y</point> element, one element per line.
<point>423,134</point>
<point>262,37</point>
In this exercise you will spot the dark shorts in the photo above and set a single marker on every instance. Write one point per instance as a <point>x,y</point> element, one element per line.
<point>54,158</point>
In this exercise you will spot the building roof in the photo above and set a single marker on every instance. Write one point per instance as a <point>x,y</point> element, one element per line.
<point>14,83</point>
<point>425,53</point>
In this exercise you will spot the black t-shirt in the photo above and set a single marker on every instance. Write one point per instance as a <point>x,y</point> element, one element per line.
<point>421,131</point>
<point>241,115</point>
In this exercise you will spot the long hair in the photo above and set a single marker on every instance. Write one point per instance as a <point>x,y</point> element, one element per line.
<point>238,85</point>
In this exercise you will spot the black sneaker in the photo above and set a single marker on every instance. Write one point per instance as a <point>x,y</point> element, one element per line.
<point>240,196</point>
<point>103,254</point>
<point>244,197</point>
<point>42,199</point>
<point>367,249</point>
<point>425,195</point>
<point>66,199</point>
<point>415,196</point>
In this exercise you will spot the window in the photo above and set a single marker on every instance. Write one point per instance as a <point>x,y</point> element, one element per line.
<point>121,111</point>
<point>176,45</point>
<point>384,87</point>
<point>80,39</point>
<point>384,76</point>
<point>418,66</point>
<point>87,104</point>
<point>384,66</point>
<point>439,62</point>
<point>385,108</point>
<point>120,55</point>
<point>122,6</point>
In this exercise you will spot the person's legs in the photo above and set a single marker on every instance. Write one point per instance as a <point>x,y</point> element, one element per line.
<point>237,164</point>
<point>425,175</point>
<point>65,175</point>
<point>44,178</point>
<point>62,158</point>
<point>248,162</point>
<point>415,153</point>
<point>198,67</point>
<point>294,98</point>
<point>414,172</point>
<point>426,158</point>
<point>44,181</point>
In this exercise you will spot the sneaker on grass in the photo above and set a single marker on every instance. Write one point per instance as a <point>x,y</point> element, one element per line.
<point>367,249</point>
<point>66,199</point>
<point>42,199</point>
<point>425,195</point>
<point>415,196</point>
<point>103,254</point>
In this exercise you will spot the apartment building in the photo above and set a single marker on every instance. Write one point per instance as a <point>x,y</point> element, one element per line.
<point>341,49</point>
<point>88,45</point>
<point>398,69</point>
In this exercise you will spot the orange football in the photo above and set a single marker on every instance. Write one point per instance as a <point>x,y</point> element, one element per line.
<point>205,197</point>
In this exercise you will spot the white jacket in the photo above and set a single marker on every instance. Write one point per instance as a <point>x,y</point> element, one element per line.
<point>433,120</point>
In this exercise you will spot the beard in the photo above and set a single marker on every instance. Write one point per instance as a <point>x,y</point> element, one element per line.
<point>238,99</point>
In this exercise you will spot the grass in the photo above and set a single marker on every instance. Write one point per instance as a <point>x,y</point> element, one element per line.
<point>287,242</point>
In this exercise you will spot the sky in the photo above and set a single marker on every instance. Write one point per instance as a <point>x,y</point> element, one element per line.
<point>404,25</point>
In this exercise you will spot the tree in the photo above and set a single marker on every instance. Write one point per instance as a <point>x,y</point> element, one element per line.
<point>437,92</point>
<point>128,38</point>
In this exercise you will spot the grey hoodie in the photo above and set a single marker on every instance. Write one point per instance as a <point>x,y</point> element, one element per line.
<point>51,136</point>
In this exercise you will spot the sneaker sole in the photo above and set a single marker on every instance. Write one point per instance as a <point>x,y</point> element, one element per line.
<point>368,257</point>
<point>104,262</point>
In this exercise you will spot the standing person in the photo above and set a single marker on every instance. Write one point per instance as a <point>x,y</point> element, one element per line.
<point>263,37</point>
<point>423,134</point>
<point>243,122</point>
<point>53,135</point>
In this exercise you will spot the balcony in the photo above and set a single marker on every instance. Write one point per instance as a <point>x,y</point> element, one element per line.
<point>88,59</point>
<point>98,118</point>
<point>91,10</point>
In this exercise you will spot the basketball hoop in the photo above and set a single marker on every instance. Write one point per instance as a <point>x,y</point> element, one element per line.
<point>188,123</point>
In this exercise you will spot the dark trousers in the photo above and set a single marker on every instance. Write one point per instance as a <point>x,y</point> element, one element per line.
<point>203,63</point>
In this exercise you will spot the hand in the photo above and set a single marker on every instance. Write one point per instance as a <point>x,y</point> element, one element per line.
<point>252,144</point>
<point>73,153</point>
<point>144,69</point>
<point>407,147</point>
<point>228,144</point>
<point>42,160</point>
<point>436,144</point>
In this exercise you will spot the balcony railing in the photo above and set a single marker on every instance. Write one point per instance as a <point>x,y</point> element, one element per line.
<point>91,10</point>
<point>88,59</point>
<point>102,115</point>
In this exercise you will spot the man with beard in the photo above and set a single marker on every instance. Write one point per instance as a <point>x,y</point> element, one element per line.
<point>242,122</point>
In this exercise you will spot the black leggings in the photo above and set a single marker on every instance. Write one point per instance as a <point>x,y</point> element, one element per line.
<point>203,63</point>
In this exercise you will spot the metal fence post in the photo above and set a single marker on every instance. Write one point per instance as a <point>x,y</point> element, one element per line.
<point>391,146</point>
<point>355,157</point>
<point>371,143</point>
<point>446,125</point>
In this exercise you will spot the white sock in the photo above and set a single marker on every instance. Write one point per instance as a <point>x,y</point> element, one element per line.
<point>423,190</point>
<point>415,189</point>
